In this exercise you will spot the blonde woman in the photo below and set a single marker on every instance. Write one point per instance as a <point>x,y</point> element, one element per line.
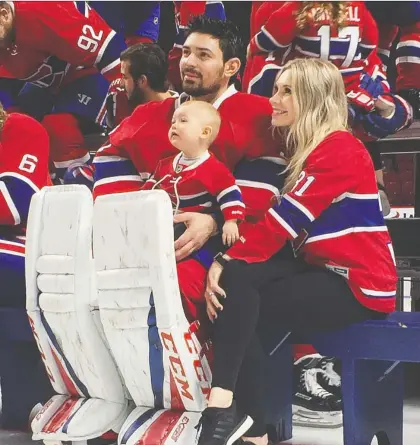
<point>320,259</point>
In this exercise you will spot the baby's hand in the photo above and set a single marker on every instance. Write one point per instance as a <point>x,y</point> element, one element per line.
<point>230,232</point>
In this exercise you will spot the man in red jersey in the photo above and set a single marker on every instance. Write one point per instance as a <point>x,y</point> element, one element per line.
<point>67,55</point>
<point>210,61</point>
<point>184,13</point>
<point>24,151</point>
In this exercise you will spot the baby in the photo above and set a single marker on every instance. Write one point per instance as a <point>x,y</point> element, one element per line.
<point>194,179</point>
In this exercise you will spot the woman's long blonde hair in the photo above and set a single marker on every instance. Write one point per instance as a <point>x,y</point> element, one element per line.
<point>320,105</point>
<point>336,10</point>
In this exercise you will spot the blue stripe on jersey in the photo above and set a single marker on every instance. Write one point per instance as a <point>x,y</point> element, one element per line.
<point>112,51</point>
<point>365,51</point>
<point>337,48</point>
<point>346,214</point>
<point>114,168</point>
<point>261,170</point>
<point>199,200</point>
<point>81,6</point>
<point>234,195</point>
<point>157,372</point>
<point>410,51</point>
<point>296,219</point>
<point>264,42</point>
<point>21,194</point>
<point>137,424</point>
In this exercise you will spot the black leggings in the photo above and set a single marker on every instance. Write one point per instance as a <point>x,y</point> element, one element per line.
<point>282,294</point>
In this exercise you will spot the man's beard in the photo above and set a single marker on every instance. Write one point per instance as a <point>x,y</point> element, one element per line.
<point>9,37</point>
<point>198,90</point>
<point>137,97</point>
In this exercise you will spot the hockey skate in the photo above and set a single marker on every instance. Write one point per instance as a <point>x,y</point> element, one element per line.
<point>317,400</point>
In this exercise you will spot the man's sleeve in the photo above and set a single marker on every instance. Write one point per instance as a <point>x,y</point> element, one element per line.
<point>114,172</point>
<point>23,167</point>
<point>320,183</point>
<point>150,183</point>
<point>278,32</point>
<point>78,35</point>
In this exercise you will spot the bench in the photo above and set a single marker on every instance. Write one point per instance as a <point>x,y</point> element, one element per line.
<point>371,354</point>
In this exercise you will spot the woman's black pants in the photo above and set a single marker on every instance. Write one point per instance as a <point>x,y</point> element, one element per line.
<point>283,294</point>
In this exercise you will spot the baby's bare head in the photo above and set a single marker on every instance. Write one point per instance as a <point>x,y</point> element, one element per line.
<point>207,117</point>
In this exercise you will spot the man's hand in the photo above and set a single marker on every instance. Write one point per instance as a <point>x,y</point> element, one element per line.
<point>384,107</point>
<point>200,228</point>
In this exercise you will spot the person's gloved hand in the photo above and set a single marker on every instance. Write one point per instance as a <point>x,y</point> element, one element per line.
<point>117,105</point>
<point>369,89</point>
<point>382,122</point>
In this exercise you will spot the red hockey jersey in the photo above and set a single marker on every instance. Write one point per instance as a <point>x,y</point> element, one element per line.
<point>54,39</point>
<point>347,47</point>
<point>199,187</point>
<point>24,152</point>
<point>136,146</point>
<point>333,217</point>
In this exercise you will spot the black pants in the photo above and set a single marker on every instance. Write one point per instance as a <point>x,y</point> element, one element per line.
<point>280,295</point>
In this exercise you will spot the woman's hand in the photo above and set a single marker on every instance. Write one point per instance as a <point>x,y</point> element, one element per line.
<point>213,290</point>
<point>200,228</point>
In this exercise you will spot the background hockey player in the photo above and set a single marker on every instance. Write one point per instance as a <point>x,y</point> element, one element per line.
<point>67,55</point>
<point>24,152</point>
<point>399,44</point>
<point>138,21</point>
<point>144,69</point>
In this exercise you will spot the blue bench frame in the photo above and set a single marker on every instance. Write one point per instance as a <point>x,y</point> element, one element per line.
<point>372,377</point>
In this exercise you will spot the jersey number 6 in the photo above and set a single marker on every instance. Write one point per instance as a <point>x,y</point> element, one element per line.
<point>28,163</point>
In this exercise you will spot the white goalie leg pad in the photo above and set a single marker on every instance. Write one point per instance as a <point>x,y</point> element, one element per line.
<point>150,426</point>
<point>157,353</point>
<point>61,282</point>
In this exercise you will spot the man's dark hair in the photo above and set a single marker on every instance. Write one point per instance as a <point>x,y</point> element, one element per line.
<point>226,32</point>
<point>147,59</point>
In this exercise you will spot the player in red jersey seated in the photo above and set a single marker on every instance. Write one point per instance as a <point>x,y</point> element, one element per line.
<point>144,68</point>
<point>321,258</point>
<point>194,178</point>
<point>24,151</point>
<point>342,32</point>
<point>210,61</point>
<point>67,55</point>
